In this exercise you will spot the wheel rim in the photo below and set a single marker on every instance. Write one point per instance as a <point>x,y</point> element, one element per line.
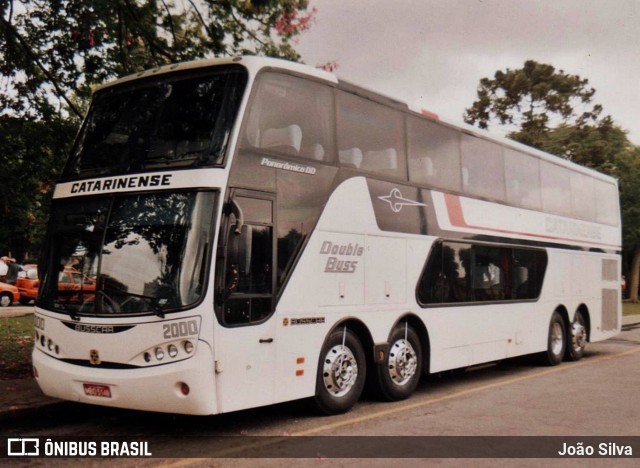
<point>340,370</point>
<point>557,338</point>
<point>5,301</point>
<point>403,362</point>
<point>578,335</point>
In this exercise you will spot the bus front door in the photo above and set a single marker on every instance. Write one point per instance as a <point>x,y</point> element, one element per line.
<point>245,343</point>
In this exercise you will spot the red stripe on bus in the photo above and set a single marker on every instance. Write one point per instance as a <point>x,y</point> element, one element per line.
<point>456,217</point>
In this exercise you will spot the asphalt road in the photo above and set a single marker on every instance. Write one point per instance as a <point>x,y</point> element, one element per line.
<point>597,399</point>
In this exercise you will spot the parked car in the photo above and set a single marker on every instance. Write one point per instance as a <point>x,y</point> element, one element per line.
<point>74,286</point>
<point>28,283</point>
<point>8,295</point>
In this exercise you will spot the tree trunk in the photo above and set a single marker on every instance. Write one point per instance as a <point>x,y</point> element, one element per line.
<point>634,280</point>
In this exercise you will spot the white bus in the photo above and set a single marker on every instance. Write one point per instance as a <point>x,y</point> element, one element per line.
<point>239,232</point>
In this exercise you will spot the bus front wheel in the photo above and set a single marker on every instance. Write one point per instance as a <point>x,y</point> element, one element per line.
<point>556,341</point>
<point>399,374</point>
<point>341,372</point>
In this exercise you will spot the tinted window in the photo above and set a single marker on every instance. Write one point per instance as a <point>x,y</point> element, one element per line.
<point>172,121</point>
<point>434,154</point>
<point>245,277</point>
<point>292,117</point>
<point>370,136</point>
<point>556,191</point>
<point>606,203</point>
<point>522,179</point>
<point>583,197</point>
<point>133,254</point>
<point>482,168</point>
<point>459,272</point>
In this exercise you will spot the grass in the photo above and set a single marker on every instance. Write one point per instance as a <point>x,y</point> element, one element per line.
<point>629,308</point>
<point>16,344</point>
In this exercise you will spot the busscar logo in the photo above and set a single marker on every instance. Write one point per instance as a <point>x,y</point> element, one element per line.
<point>23,447</point>
<point>94,357</point>
<point>396,201</point>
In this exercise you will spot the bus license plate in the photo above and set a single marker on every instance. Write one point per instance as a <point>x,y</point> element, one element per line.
<point>97,390</point>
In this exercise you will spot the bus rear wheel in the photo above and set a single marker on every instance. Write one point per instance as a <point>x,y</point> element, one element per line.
<point>556,341</point>
<point>577,339</point>
<point>341,372</point>
<point>399,375</point>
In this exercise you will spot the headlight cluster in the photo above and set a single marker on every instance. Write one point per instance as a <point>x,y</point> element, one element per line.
<point>168,352</point>
<point>46,343</point>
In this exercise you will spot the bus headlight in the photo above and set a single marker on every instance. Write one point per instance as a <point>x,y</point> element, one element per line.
<point>173,351</point>
<point>188,347</point>
<point>159,354</point>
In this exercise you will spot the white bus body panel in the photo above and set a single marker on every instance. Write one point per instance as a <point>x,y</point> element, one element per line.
<point>382,288</point>
<point>152,388</point>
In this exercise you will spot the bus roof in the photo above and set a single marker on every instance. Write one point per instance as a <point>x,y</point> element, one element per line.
<point>255,64</point>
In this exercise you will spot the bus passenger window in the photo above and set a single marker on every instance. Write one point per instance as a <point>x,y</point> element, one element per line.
<point>370,136</point>
<point>483,162</point>
<point>434,154</point>
<point>457,272</point>
<point>522,173</point>
<point>292,117</point>
<point>489,279</point>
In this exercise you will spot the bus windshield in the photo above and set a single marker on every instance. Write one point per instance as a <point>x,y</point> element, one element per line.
<point>126,255</point>
<point>162,123</point>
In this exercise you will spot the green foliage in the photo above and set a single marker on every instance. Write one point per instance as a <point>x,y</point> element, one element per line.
<point>550,110</point>
<point>628,173</point>
<point>16,344</point>
<point>31,156</point>
<point>57,51</point>
<point>535,99</point>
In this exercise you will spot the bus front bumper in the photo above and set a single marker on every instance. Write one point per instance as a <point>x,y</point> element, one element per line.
<point>157,388</point>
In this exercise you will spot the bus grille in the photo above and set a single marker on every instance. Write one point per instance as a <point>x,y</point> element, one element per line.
<point>609,270</point>
<point>609,309</point>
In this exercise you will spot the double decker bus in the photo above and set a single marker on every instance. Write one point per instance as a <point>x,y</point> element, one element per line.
<point>247,231</point>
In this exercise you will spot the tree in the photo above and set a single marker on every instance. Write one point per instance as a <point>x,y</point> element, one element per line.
<point>533,100</point>
<point>31,156</point>
<point>628,173</point>
<point>54,52</point>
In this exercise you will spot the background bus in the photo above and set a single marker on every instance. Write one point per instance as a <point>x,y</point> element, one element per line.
<point>255,231</point>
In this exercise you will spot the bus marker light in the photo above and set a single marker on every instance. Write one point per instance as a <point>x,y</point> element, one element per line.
<point>35,372</point>
<point>300,360</point>
<point>299,372</point>
<point>184,388</point>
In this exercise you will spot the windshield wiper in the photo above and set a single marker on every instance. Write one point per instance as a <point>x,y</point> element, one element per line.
<point>151,302</point>
<point>64,307</point>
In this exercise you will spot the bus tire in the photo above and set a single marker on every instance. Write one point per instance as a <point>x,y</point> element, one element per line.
<point>341,372</point>
<point>556,341</point>
<point>577,339</point>
<point>399,374</point>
